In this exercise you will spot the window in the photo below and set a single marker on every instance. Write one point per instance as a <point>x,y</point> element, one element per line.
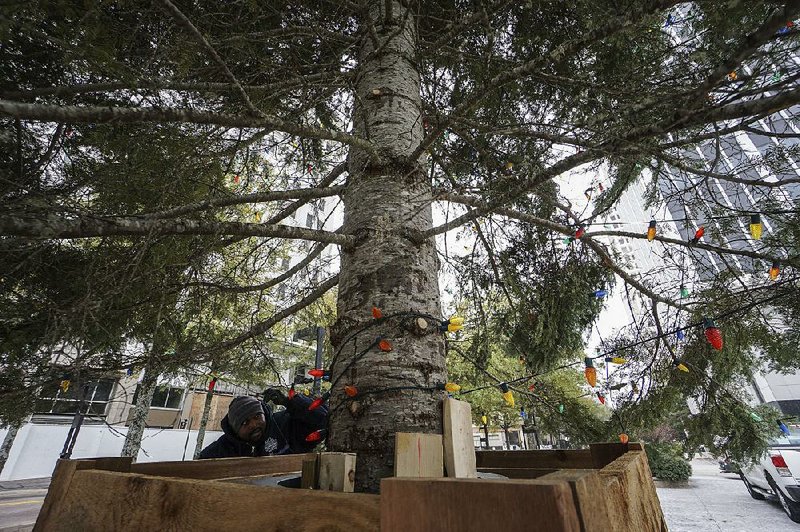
<point>54,400</point>
<point>167,397</point>
<point>300,373</point>
<point>309,220</point>
<point>285,263</point>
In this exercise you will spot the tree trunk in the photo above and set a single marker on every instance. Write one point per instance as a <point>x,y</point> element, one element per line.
<point>201,430</point>
<point>8,442</point>
<point>386,201</point>
<point>133,440</point>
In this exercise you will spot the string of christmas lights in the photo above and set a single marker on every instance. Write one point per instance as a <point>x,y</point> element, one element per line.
<point>666,334</point>
<point>506,387</point>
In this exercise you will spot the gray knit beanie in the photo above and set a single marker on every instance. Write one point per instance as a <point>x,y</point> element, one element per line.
<point>241,409</point>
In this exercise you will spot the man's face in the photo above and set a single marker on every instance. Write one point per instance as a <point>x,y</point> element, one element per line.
<point>253,429</point>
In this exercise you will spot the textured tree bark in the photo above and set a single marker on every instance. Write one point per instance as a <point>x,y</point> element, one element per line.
<point>201,429</point>
<point>387,199</point>
<point>133,440</point>
<point>8,442</point>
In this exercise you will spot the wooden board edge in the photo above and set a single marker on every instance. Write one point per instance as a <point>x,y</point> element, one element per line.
<point>137,502</point>
<point>62,478</point>
<point>221,467</point>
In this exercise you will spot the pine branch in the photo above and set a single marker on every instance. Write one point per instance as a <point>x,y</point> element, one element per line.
<point>94,114</point>
<point>671,161</point>
<point>332,79</point>
<point>267,284</point>
<point>262,327</point>
<point>183,21</point>
<point>794,261</point>
<point>52,226</point>
<point>258,197</point>
<point>522,71</point>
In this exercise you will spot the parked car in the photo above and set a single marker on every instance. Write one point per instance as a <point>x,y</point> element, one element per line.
<point>778,474</point>
<point>726,465</point>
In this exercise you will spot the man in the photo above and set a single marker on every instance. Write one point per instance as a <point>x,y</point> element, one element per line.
<point>252,429</point>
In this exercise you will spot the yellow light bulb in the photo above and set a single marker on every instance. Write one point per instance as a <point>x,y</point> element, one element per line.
<point>509,398</point>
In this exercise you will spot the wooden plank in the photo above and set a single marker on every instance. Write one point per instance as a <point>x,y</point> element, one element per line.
<point>337,472</point>
<point>418,455</point>
<point>553,459</point>
<point>519,472</point>
<point>450,504</point>
<point>590,498</point>
<point>102,500</point>
<point>459,449</point>
<point>62,478</point>
<point>310,472</point>
<point>257,480</point>
<point>633,502</point>
<point>222,467</point>
<point>605,453</point>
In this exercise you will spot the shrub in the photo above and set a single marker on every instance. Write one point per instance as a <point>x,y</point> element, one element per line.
<point>667,463</point>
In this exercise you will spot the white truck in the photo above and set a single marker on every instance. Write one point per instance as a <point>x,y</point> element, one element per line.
<point>778,474</point>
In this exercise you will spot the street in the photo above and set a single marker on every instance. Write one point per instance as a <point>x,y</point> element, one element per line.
<point>714,501</point>
<point>20,502</point>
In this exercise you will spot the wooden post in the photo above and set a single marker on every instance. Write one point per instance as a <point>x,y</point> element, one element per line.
<point>459,449</point>
<point>337,471</point>
<point>591,500</point>
<point>628,479</point>
<point>310,472</point>
<point>418,455</point>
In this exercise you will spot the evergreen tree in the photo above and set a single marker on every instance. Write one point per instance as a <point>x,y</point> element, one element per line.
<point>394,107</point>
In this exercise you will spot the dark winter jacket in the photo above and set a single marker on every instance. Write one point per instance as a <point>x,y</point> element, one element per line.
<point>285,433</point>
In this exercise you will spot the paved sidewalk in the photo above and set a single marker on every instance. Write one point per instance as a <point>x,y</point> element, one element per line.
<point>715,502</point>
<point>26,483</point>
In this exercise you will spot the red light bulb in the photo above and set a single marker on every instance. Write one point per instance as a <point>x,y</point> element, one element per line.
<point>315,436</point>
<point>318,402</point>
<point>713,334</point>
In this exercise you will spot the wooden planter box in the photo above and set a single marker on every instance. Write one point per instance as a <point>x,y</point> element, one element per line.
<point>606,487</point>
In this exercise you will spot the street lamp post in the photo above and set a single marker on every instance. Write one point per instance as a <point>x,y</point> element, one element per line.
<point>316,387</point>
<point>307,334</point>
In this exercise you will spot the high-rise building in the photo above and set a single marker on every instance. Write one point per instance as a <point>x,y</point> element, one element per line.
<point>718,195</point>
